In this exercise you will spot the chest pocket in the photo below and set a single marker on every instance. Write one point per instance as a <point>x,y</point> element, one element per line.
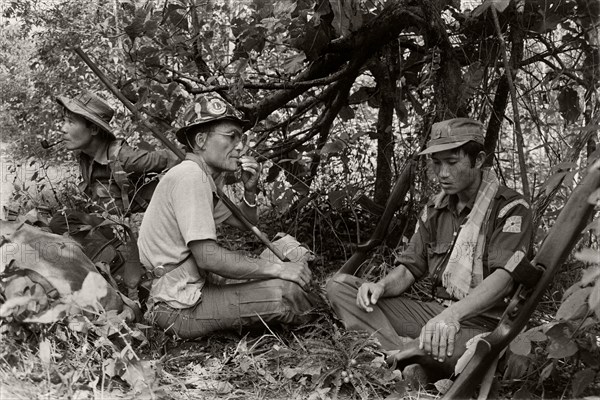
<point>108,196</point>
<point>437,257</point>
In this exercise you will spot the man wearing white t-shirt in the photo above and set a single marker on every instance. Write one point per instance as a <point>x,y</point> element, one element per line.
<point>178,240</point>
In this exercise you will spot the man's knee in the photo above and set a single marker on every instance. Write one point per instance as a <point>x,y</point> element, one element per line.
<point>341,286</point>
<point>302,300</point>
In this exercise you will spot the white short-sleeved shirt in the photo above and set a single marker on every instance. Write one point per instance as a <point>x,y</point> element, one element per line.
<point>182,210</point>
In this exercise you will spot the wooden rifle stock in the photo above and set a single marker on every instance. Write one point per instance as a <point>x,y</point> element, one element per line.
<point>393,203</point>
<point>553,252</point>
<point>171,146</point>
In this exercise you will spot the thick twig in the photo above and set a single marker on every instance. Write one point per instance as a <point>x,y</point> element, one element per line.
<point>508,71</point>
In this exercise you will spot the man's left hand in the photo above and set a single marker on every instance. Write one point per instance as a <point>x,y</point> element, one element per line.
<point>438,336</point>
<point>250,173</point>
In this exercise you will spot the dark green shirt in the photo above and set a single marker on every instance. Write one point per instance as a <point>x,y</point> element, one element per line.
<point>508,230</point>
<point>102,185</point>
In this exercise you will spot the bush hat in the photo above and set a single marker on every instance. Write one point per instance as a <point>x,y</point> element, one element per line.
<point>207,108</point>
<point>90,107</point>
<point>453,133</point>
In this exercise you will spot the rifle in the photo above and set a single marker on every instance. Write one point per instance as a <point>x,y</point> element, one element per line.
<point>159,135</point>
<point>554,250</point>
<point>394,201</point>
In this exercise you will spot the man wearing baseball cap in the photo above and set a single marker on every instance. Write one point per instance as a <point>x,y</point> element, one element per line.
<point>192,293</point>
<point>471,240</point>
<point>113,179</point>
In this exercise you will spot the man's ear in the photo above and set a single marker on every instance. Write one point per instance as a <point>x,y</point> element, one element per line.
<point>200,140</point>
<point>94,129</point>
<point>480,159</point>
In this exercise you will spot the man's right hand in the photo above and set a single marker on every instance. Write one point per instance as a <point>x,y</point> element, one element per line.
<point>296,272</point>
<point>368,294</point>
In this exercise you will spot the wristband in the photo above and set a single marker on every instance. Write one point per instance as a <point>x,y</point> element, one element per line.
<point>251,205</point>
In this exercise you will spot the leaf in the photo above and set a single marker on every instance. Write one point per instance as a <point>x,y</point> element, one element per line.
<point>273,173</point>
<point>443,385</point>
<point>594,299</point>
<point>590,275</point>
<point>314,371</point>
<point>362,94</point>
<point>336,198</point>
<point>346,113</point>
<point>575,306</point>
<point>139,374</point>
<point>396,396</point>
<point>572,289</point>
<point>562,349</point>
<point>293,64</point>
<point>516,367</point>
<point>471,81</point>
<point>593,226</point>
<point>595,198</point>
<point>521,345</point>
<point>415,103</point>
<point>500,5</point>
<point>522,394</point>
<point>471,346</point>
<point>333,147</point>
<point>314,39</point>
<point>589,256</point>
<point>14,304</point>
<point>581,380</point>
<point>177,16</point>
<point>283,8</point>
<point>346,16</point>
<point>535,335</point>
<point>113,367</point>
<point>54,314</point>
<point>568,104</point>
<point>554,181</point>
<point>93,288</point>
<point>549,21</point>
<point>45,351</point>
<point>563,167</point>
<point>224,387</point>
<point>135,29</point>
<point>546,372</point>
<point>290,373</point>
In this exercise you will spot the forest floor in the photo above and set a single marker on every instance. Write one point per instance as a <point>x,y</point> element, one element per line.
<point>318,361</point>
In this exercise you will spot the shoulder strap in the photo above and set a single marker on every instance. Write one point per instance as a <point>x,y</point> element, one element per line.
<point>118,172</point>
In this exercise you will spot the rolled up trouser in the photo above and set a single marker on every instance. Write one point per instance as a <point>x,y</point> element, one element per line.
<point>238,306</point>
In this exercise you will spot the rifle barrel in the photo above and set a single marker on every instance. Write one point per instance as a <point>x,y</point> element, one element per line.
<point>393,203</point>
<point>554,250</point>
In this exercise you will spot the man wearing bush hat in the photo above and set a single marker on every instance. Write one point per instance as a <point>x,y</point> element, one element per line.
<point>471,240</point>
<point>114,179</point>
<point>192,291</point>
<point>110,168</point>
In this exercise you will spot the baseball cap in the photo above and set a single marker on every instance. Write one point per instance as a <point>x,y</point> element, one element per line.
<point>453,133</point>
<point>207,108</point>
<point>90,107</point>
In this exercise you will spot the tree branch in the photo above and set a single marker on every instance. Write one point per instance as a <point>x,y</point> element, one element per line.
<point>517,53</point>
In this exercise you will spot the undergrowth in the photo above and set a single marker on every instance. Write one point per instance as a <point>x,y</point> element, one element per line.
<point>78,358</point>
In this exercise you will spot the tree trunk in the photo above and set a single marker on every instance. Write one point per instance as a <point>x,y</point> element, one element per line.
<point>385,70</point>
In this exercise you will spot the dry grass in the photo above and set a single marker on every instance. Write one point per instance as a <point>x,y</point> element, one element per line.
<point>309,362</point>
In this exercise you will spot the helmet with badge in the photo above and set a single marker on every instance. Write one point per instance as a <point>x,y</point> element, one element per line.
<point>207,108</point>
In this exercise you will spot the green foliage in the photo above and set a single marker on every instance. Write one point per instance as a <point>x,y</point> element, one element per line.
<point>565,349</point>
